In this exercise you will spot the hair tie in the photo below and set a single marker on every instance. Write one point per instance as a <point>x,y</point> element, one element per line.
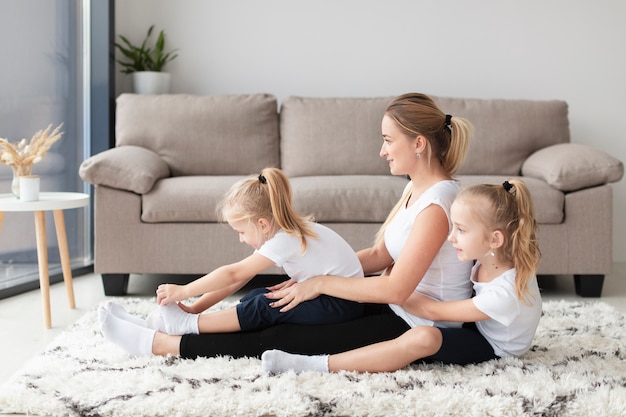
<point>507,186</point>
<point>446,124</point>
<point>262,179</point>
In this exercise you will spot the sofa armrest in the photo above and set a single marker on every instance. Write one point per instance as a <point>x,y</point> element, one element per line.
<point>571,166</point>
<point>129,168</point>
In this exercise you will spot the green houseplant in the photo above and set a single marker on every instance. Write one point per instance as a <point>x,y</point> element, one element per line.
<point>146,63</point>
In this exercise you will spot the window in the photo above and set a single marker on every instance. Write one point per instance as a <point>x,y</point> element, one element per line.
<point>49,50</point>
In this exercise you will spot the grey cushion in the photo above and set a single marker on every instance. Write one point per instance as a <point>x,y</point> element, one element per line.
<point>506,132</point>
<point>548,202</point>
<point>185,199</point>
<point>202,135</point>
<point>572,166</point>
<point>332,136</point>
<point>130,168</point>
<point>347,198</point>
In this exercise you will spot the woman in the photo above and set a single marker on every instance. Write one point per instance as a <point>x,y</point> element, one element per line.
<point>428,146</point>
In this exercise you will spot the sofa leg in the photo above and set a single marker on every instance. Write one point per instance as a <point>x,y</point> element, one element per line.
<point>115,284</point>
<point>588,285</point>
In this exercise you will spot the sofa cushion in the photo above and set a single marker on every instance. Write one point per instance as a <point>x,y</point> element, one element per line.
<point>130,168</point>
<point>325,136</point>
<point>347,198</point>
<point>202,135</point>
<point>548,202</point>
<point>572,166</point>
<point>185,199</point>
<point>506,132</point>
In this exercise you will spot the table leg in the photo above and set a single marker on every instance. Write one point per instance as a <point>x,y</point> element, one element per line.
<point>59,222</point>
<point>42,260</point>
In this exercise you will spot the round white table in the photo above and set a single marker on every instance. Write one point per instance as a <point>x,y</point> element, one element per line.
<point>55,202</point>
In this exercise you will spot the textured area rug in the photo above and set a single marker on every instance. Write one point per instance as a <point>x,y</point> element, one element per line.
<point>575,368</point>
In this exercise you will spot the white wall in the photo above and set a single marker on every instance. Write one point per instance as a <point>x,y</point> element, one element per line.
<point>534,49</point>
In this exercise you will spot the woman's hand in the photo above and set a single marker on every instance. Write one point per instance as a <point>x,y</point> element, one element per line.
<point>294,294</point>
<point>282,285</point>
<point>170,293</point>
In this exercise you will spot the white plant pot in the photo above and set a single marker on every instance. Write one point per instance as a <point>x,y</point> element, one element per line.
<point>150,82</point>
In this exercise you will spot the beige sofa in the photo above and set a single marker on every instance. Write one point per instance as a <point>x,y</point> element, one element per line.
<point>175,156</point>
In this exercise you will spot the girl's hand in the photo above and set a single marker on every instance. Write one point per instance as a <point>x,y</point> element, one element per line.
<point>289,297</point>
<point>170,293</point>
<point>188,309</point>
<point>282,285</point>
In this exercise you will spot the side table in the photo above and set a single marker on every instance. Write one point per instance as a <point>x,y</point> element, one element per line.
<point>55,202</point>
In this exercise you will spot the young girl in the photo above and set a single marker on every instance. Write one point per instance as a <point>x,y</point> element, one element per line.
<point>494,225</point>
<point>260,210</point>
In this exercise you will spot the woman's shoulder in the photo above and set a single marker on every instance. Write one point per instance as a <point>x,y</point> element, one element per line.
<point>442,192</point>
<point>447,187</point>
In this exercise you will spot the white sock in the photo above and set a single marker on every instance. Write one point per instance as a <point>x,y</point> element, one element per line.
<point>277,361</point>
<point>155,320</point>
<point>177,321</point>
<point>135,340</point>
<point>118,311</point>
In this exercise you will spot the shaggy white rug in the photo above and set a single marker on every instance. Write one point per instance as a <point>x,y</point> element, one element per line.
<point>575,368</point>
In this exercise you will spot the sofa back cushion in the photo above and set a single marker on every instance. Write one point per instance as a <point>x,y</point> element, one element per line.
<point>332,136</point>
<point>506,132</point>
<point>202,135</point>
<point>342,136</point>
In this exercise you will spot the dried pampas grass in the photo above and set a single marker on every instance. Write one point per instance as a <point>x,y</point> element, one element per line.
<point>23,155</point>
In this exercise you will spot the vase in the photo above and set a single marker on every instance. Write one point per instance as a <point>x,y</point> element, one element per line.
<point>19,171</point>
<point>150,82</point>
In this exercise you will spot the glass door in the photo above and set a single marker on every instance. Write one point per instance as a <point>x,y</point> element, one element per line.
<point>45,80</point>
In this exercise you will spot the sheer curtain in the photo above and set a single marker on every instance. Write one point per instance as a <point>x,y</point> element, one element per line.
<point>45,78</point>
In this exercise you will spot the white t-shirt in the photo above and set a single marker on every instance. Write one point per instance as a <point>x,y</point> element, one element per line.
<point>328,254</point>
<point>447,278</point>
<point>513,323</point>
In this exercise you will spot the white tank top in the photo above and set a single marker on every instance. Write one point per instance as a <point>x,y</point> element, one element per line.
<point>447,278</point>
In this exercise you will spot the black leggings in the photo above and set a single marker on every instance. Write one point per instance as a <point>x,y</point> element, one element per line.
<point>378,324</point>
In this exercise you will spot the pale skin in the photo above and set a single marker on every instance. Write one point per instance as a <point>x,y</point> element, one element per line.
<point>223,281</point>
<point>427,235</point>
<point>471,241</point>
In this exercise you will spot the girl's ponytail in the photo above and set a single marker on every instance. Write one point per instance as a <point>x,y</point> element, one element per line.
<point>284,214</point>
<point>522,244</point>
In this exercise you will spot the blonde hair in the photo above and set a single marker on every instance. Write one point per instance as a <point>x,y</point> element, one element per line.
<point>417,114</point>
<point>509,208</point>
<point>266,196</point>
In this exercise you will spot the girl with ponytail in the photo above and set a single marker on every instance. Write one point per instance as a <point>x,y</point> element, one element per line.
<point>260,210</point>
<point>493,225</point>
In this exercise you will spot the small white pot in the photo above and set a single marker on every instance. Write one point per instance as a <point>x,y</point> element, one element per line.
<point>150,82</point>
<point>29,188</point>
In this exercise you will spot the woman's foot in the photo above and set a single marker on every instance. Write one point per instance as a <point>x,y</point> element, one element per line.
<point>277,361</point>
<point>134,339</point>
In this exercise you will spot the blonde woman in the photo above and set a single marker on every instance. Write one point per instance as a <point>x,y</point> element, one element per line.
<point>494,225</point>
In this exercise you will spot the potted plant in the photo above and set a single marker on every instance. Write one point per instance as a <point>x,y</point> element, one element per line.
<point>146,63</point>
